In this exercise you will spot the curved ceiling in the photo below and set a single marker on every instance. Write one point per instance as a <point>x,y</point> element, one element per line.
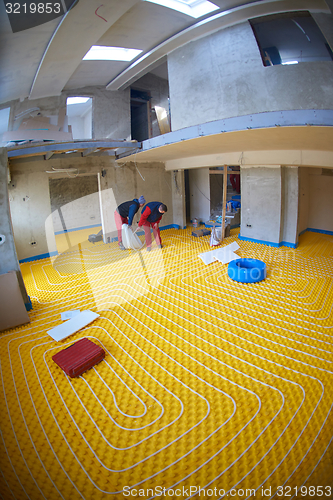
<point>45,60</point>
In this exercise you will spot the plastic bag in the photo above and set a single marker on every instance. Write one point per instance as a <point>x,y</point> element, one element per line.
<point>130,240</point>
<point>215,237</point>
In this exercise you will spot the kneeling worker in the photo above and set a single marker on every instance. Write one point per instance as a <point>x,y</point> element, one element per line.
<point>124,215</point>
<point>150,217</point>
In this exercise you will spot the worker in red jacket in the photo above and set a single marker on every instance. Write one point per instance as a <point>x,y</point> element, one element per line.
<point>150,217</point>
<point>124,215</point>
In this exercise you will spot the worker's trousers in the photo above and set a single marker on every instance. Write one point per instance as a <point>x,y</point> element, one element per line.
<point>119,220</point>
<point>156,233</point>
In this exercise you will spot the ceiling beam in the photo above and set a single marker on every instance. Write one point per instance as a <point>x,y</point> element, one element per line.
<point>64,147</point>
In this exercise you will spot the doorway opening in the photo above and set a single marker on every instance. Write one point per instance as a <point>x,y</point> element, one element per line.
<point>233,195</point>
<point>140,115</point>
<point>187,197</point>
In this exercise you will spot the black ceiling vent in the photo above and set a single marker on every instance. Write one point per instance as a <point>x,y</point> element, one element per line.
<point>327,171</point>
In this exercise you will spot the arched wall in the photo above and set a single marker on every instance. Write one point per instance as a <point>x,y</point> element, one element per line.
<point>222,76</point>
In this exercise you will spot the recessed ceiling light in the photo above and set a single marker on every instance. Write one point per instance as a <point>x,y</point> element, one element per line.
<point>290,62</point>
<point>76,100</point>
<point>100,53</point>
<point>193,8</point>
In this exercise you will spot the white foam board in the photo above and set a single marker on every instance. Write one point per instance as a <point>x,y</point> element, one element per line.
<point>207,257</point>
<point>71,326</point>
<point>225,254</point>
<point>225,258</point>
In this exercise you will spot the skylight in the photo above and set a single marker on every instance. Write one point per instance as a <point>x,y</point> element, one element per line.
<point>289,62</point>
<point>100,53</point>
<point>76,100</point>
<point>193,8</point>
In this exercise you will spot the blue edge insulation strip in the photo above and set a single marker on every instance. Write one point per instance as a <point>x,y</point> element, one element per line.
<point>176,226</point>
<point>52,254</point>
<point>285,243</point>
<point>28,305</point>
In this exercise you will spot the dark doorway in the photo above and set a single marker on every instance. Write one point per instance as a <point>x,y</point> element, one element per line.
<point>140,114</point>
<point>187,196</point>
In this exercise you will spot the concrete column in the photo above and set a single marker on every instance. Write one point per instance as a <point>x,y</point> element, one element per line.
<point>303,205</point>
<point>261,203</point>
<point>8,256</point>
<point>108,205</point>
<point>289,208</point>
<point>270,200</point>
<point>178,198</point>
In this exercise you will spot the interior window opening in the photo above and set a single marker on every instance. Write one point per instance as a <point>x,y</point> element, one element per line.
<point>290,38</point>
<point>79,112</point>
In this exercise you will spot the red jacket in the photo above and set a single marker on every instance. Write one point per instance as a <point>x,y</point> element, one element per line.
<point>150,214</point>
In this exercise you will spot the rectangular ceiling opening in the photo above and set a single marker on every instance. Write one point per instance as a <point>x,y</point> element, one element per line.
<point>193,8</point>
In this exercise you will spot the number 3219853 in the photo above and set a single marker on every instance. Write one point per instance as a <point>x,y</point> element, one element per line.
<point>33,8</point>
<point>319,491</point>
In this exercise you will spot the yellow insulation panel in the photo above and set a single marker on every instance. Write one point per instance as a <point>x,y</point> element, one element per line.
<point>210,388</point>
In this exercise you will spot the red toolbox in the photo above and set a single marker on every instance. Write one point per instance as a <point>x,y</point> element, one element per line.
<point>79,357</point>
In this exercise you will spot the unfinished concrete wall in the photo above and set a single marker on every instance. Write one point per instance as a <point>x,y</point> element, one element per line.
<point>222,75</point>
<point>261,203</point>
<point>31,205</point>
<point>110,113</point>
<point>199,194</point>
<point>8,255</point>
<point>126,182</point>
<point>34,221</point>
<point>290,194</point>
<point>325,23</point>
<point>74,202</point>
<point>159,91</point>
<point>321,199</point>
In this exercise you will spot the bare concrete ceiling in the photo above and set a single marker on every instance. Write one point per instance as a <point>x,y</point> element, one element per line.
<point>45,60</point>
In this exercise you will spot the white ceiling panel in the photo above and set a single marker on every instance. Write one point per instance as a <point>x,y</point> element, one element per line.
<point>94,73</point>
<point>144,26</point>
